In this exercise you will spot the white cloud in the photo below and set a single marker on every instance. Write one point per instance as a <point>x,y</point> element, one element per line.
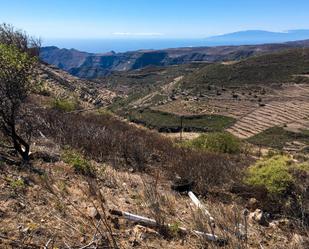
<point>136,34</point>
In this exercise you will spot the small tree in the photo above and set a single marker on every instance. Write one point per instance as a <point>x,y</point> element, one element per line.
<point>17,69</point>
<point>20,39</point>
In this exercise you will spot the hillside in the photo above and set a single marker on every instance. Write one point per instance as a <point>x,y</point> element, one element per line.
<point>97,180</point>
<point>177,148</point>
<point>90,173</point>
<point>258,70</point>
<point>87,65</point>
<point>257,94</point>
<point>60,84</point>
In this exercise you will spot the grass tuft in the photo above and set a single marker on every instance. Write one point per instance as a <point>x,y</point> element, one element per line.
<point>78,162</point>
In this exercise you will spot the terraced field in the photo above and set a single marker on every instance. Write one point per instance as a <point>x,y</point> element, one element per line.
<point>275,113</point>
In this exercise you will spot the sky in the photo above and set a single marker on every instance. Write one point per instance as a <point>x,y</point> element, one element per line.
<point>97,19</point>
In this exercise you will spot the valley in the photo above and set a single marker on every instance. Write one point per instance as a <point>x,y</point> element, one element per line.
<point>180,148</point>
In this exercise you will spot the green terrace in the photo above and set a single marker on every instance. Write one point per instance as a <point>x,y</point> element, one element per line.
<point>278,137</point>
<point>169,122</point>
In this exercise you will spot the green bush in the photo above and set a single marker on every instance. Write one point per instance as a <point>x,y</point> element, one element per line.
<point>66,105</point>
<point>272,173</point>
<point>304,167</point>
<point>219,142</point>
<point>78,162</point>
<point>41,88</point>
<point>17,184</point>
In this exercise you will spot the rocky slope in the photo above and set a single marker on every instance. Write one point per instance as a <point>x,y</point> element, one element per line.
<point>87,65</point>
<point>59,84</point>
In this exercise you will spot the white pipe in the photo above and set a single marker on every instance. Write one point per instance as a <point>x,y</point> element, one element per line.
<point>199,205</point>
<point>138,218</point>
<point>152,222</point>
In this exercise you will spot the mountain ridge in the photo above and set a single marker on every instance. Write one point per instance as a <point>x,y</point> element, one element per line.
<point>90,66</point>
<point>258,37</point>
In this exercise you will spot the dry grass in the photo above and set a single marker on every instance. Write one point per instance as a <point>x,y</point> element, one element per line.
<point>59,207</point>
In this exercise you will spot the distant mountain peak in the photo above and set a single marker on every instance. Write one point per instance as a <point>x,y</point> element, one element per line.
<point>246,37</point>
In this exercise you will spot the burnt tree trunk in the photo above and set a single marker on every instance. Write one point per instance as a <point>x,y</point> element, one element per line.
<point>19,144</point>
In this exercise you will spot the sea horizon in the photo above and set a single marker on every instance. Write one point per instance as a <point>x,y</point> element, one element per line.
<point>123,45</point>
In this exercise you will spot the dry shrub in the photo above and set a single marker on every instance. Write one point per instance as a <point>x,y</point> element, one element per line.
<point>96,226</point>
<point>153,201</point>
<point>105,138</point>
<point>230,225</point>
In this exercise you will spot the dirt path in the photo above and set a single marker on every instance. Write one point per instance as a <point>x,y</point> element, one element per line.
<point>185,135</point>
<point>166,89</point>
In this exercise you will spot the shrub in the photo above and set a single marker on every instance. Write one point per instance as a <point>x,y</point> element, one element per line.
<point>17,76</point>
<point>106,139</point>
<point>41,88</point>
<point>78,162</point>
<point>304,167</point>
<point>271,173</point>
<point>219,142</point>
<point>66,105</point>
<point>17,184</point>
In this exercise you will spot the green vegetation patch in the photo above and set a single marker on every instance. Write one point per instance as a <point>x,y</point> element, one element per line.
<point>18,184</point>
<point>66,105</point>
<point>218,142</point>
<point>78,162</point>
<point>271,173</point>
<point>277,137</point>
<point>276,174</point>
<point>168,122</point>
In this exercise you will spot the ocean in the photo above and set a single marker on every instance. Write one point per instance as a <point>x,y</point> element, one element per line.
<point>122,45</point>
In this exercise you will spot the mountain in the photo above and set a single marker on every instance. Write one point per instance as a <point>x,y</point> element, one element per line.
<point>63,58</point>
<point>90,66</point>
<point>258,37</point>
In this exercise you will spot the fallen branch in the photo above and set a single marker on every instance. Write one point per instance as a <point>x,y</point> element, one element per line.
<point>152,223</point>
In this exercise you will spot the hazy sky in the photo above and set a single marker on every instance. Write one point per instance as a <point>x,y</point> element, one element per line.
<point>152,18</point>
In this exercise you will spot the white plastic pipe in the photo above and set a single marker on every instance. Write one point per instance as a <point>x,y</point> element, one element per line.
<point>199,205</point>
<point>152,222</point>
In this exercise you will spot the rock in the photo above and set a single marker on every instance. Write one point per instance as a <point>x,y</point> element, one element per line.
<point>258,216</point>
<point>93,213</point>
<point>26,230</point>
<point>282,224</point>
<point>252,204</point>
<point>142,233</point>
<point>131,170</point>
